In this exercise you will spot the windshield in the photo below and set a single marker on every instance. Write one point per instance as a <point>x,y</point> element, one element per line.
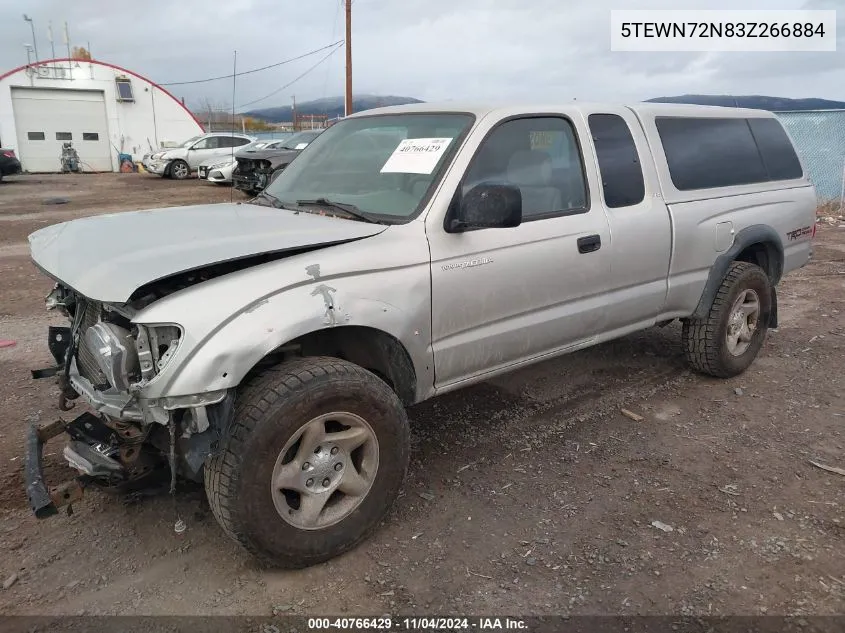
<point>300,140</point>
<point>384,165</point>
<point>191,141</point>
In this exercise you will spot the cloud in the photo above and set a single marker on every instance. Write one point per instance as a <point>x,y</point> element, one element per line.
<point>542,50</point>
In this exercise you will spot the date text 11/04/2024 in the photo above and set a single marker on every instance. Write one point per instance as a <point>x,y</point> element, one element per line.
<point>409,624</point>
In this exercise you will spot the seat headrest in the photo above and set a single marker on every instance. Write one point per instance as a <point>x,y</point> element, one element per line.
<point>530,168</point>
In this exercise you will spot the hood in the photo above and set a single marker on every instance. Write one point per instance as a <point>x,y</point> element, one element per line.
<point>170,154</point>
<point>108,257</point>
<point>268,154</point>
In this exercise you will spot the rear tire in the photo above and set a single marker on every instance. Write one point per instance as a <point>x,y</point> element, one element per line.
<point>292,504</point>
<point>728,339</point>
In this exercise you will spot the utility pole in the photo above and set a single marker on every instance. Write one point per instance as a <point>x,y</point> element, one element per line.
<point>348,108</point>
<point>293,113</point>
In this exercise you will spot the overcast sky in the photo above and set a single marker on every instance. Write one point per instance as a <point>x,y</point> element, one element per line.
<point>530,50</point>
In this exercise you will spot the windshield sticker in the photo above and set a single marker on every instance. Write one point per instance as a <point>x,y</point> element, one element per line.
<point>416,156</point>
<point>301,145</point>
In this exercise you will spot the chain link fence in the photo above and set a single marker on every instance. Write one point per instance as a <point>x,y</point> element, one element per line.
<point>820,138</point>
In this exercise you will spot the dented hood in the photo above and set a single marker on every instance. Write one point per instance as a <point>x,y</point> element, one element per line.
<point>108,257</point>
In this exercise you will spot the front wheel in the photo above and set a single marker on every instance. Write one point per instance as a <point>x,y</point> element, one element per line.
<point>179,170</point>
<point>313,460</point>
<point>727,341</point>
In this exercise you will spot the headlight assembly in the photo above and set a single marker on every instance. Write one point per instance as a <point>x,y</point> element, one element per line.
<point>114,350</point>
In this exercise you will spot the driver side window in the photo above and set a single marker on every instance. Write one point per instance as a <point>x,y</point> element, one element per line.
<point>540,156</point>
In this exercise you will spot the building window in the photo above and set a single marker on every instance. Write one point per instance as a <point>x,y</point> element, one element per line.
<point>124,90</point>
<point>64,136</point>
<point>35,136</point>
<point>90,136</point>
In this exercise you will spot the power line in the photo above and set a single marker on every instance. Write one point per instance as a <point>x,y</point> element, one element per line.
<point>287,85</point>
<point>254,70</point>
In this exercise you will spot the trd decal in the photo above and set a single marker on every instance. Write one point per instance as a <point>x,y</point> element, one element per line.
<point>794,235</point>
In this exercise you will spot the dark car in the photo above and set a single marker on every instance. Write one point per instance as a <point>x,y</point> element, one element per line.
<point>256,166</point>
<point>9,163</point>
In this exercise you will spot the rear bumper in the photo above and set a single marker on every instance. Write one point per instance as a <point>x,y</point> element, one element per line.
<point>11,168</point>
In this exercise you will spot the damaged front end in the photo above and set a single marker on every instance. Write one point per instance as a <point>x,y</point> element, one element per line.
<point>130,443</point>
<point>252,175</point>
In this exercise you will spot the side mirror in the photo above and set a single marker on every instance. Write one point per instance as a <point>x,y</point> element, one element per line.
<point>488,206</point>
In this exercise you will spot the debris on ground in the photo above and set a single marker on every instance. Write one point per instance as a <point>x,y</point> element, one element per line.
<point>729,489</point>
<point>11,580</point>
<point>830,469</point>
<point>738,391</point>
<point>7,343</point>
<point>426,495</point>
<point>634,416</point>
<point>660,525</point>
<point>778,516</point>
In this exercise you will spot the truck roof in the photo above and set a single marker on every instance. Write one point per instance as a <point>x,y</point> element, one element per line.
<point>510,108</point>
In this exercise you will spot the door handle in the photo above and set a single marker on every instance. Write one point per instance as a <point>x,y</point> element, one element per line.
<point>589,244</point>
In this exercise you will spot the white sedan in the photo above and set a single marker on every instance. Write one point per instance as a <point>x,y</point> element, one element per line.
<point>217,170</point>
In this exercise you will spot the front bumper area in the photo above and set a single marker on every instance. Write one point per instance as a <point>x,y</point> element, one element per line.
<point>157,167</point>
<point>46,502</point>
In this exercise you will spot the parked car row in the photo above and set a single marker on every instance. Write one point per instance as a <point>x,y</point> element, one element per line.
<point>223,158</point>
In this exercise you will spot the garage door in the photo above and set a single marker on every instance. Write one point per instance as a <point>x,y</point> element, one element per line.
<point>47,118</point>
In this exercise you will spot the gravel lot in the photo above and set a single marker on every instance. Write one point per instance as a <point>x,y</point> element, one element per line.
<point>529,494</point>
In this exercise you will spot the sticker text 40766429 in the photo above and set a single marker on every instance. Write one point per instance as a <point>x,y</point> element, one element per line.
<point>416,156</point>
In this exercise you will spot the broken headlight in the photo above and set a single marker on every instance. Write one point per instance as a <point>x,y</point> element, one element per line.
<point>156,345</point>
<point>114,351</point>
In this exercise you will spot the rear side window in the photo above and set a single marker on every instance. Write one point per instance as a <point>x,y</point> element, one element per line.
<point>778,154</point>
<point>619,163</point>
<point>708,152</point>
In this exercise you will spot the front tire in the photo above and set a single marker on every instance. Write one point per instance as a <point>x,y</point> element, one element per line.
<point>726,342</point>
<point>179,170</point>
<point>313,460</point>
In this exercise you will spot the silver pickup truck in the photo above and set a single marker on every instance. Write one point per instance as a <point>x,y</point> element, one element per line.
<point>270,348</point>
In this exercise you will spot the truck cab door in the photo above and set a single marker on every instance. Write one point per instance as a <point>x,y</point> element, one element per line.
<point>504,296</point>
<point>640,226</point>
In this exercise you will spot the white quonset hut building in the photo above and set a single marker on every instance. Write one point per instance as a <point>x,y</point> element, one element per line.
<point>102,109</point>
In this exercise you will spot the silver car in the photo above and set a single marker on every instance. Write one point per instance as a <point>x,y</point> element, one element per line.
<point>180,162</point>
<point>270,349</point>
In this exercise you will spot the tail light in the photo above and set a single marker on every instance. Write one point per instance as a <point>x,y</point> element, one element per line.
<point>9,153</point>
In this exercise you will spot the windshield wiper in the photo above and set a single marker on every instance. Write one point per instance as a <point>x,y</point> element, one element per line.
<point>272,199</point>
<point>350,209</point>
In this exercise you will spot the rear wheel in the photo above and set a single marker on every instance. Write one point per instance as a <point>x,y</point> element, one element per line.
<point>727,341</point>
<point>179,170</point>
<point>313,460</point>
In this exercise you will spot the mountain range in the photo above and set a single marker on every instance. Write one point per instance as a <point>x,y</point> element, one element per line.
<point>333,107</point>
<point>757,102</point>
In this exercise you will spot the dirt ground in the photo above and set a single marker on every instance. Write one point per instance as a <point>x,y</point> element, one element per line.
<point>529,494</point>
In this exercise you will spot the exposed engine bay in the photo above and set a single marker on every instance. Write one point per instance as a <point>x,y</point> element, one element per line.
<point>125,445</point>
